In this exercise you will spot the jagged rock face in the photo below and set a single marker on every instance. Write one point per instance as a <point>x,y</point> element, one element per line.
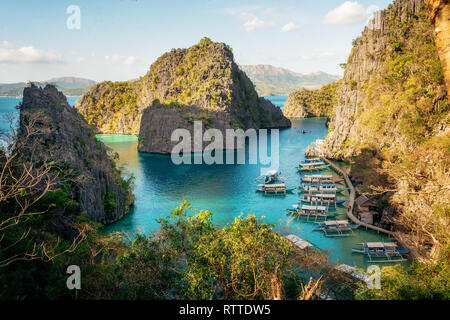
<point>66,139</point>
<point>392,123</point>
<point>370,61</point>
<point>440,16</point>
<point>204,77</point>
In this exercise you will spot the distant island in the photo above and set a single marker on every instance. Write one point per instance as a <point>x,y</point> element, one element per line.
<point>70,86</point>
<point>270,80</point>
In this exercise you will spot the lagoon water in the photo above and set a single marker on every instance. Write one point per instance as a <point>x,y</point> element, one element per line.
<point>225,190</point>
<point>228,190</point>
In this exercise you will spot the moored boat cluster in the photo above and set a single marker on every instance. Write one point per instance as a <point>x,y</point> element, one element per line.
<point>321,194</point>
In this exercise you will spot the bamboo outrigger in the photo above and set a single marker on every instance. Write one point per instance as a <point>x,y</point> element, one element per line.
<point>386,251</point>
<point>319,187</point>
<point>328,199</point>
<point>308,211</point>
<point>338,228</point>
<point>274,188</point>
<point>313,179</point>
<point>313,168</point>
<point>312,162</point>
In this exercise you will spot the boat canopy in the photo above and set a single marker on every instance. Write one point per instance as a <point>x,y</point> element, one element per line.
<point>319,208</point>
<point>271,173</point>
<point>324,195</point>
<point>380,244</point>
<point>319,176</point>
<point>336,223</point>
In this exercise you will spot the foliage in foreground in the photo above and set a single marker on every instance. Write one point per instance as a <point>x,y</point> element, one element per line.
<point>422,281</point>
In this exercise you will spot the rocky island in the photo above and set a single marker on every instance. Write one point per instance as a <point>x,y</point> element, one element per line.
<point>199,83</point>
<point>64,138</point>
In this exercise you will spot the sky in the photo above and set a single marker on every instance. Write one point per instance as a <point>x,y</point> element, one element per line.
<point>119,39</point>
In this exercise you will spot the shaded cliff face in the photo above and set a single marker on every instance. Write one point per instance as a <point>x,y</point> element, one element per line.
<point>66,139</point>
<point>305,103</point>
<point>392,123</point>
<point>203,76</point>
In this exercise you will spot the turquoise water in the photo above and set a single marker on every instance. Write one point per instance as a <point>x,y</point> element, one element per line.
<point>227,191</point>
<point>278,100</point>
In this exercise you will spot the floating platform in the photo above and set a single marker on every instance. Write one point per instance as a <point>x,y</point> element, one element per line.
<point>298,242</point>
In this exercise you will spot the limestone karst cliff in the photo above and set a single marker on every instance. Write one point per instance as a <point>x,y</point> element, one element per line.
<point>64,138</point>
<point>203,77</point>
<point>391,122</point>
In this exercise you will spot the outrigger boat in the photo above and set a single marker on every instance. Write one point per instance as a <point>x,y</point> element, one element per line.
<point>312,161</point>
<point>311,211</point>
<point>323,198</point>
<point>386,251</point>
<point>322,188</point>
<point>313,168</point>
<point>312,164</point>
<point>338,228</point>
<point>274,188</point>
<point>326,179</point>
<point>272,184</point>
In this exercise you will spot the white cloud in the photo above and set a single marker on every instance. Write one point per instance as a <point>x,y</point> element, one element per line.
<point>253,23</point>
<point>11,54</point>
<point>118,59</point>
<point>347,13</point>
<point>290,27</point>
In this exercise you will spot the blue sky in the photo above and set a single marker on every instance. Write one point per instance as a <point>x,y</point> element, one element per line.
<point>119,39</point>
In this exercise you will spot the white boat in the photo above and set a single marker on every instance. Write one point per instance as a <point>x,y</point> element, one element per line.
<point>313,164</point>
<point>308,211</point>
<point>328,199</point>
<point>322,188</point>
<point>381,251</point>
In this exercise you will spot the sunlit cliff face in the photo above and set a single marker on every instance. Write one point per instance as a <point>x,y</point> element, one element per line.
<point>440,16</point>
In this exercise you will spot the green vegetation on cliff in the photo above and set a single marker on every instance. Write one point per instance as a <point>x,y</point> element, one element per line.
<point>111,101</point>
<point>305,103</point>
<point>204,76</point>
<point>392,124</point>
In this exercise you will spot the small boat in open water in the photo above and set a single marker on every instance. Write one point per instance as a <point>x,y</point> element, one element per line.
<point>381,251</point>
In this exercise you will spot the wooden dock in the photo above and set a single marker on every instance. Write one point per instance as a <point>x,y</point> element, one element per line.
<point>413,251</point>
<point>350,214</point>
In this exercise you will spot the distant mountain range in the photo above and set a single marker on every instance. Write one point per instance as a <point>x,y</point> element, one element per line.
<point>270,80</point>
<point>70,86</point>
